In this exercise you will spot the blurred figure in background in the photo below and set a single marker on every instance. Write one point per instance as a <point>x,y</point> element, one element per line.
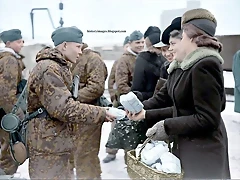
<point>11,85</point>
<point>112,91</point>
<point>93,73</point>
<point>148,64</point>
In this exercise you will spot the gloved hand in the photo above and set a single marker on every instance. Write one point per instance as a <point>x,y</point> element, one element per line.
<point>157,132</point>
<point>139,95</point>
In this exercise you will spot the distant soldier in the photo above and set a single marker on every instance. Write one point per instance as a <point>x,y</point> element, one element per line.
<point>52,134</point>
<point>11,85</point>
<point>111,81</point>
<point>112,91</point>
<point>93,73</point>
<point>126,64</point>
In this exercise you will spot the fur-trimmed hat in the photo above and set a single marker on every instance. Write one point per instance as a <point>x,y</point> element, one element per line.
<point>201,18</point>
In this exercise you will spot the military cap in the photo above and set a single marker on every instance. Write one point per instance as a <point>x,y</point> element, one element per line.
<point>152,30</point>
<point>135,36</point>
<point>67,34</point>
<point>11,35</point>
<point>202,19</point>
<point>126,40</point>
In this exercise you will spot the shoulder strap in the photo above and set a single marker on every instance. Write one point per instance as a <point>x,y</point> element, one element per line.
<point>21,98</point>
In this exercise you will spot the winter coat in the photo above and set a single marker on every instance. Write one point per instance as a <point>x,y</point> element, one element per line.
<point>163,71</point>
<point>124,73</point>
<point>146,73</point>
<point>92,72</point>
<point>236,75</point>
<point>49,86</point>
<point>111,82</point>
<point>195,88</point>
<point>11,67</point>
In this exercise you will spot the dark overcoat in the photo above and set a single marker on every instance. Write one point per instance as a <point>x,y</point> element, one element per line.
<point>195,88</point>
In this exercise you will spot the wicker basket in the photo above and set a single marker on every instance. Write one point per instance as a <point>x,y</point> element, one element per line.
<point>138,170</point>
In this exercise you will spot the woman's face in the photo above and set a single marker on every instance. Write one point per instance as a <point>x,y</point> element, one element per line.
<point>175,48</point>
<point>166,53</point>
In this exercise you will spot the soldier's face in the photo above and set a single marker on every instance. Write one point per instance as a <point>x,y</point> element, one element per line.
<point>15,45</point>
<point>125,47</point>
<point>73,51</point>
<point>137,46</point>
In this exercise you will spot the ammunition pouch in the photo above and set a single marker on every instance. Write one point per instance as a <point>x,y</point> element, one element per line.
<point>17,130</point>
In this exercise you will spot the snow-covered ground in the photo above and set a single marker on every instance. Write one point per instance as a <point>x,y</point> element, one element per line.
<point>117,168</point>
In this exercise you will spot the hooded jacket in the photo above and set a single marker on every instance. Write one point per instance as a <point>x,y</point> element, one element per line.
<point>147,72</point>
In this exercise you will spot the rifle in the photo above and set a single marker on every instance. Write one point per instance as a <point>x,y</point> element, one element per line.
<point>75,86</point>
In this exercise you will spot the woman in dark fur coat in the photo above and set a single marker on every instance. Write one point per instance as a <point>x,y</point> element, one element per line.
<point>195,89</point>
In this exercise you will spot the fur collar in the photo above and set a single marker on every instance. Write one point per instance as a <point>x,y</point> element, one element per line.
<point>130,51</point>
<point>194,57</point>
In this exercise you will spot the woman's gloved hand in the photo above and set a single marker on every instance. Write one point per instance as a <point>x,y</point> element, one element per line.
<point>157,132</point>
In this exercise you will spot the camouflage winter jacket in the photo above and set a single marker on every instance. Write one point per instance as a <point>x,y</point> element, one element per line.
<point>11,67</point>
<point>49,87</point>
<point>111,82</point>
<point>124,73</point>
<point>93,73</point>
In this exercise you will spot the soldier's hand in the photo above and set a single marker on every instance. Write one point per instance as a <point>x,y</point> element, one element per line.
<point>109,117</point>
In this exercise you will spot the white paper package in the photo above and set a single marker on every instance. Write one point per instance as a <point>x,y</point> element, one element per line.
<point>131,103</point>
<point>118,113</point>
<point>170,163</point>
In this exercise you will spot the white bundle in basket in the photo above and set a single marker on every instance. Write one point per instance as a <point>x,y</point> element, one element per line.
<point>151,156</point>
<point>131,103</point>
<point>170,163</point>
<point>157,156</point>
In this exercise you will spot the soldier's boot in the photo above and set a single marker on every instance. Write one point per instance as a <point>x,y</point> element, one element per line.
<point>109,158</point>
<point>111,152</point>
<point>8,165</point>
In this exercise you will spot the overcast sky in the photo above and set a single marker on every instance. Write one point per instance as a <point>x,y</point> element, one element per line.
<point>126,15</point>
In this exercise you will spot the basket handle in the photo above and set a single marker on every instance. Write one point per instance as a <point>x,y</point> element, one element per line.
<point>147,141</point>
<point>143,146</point>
